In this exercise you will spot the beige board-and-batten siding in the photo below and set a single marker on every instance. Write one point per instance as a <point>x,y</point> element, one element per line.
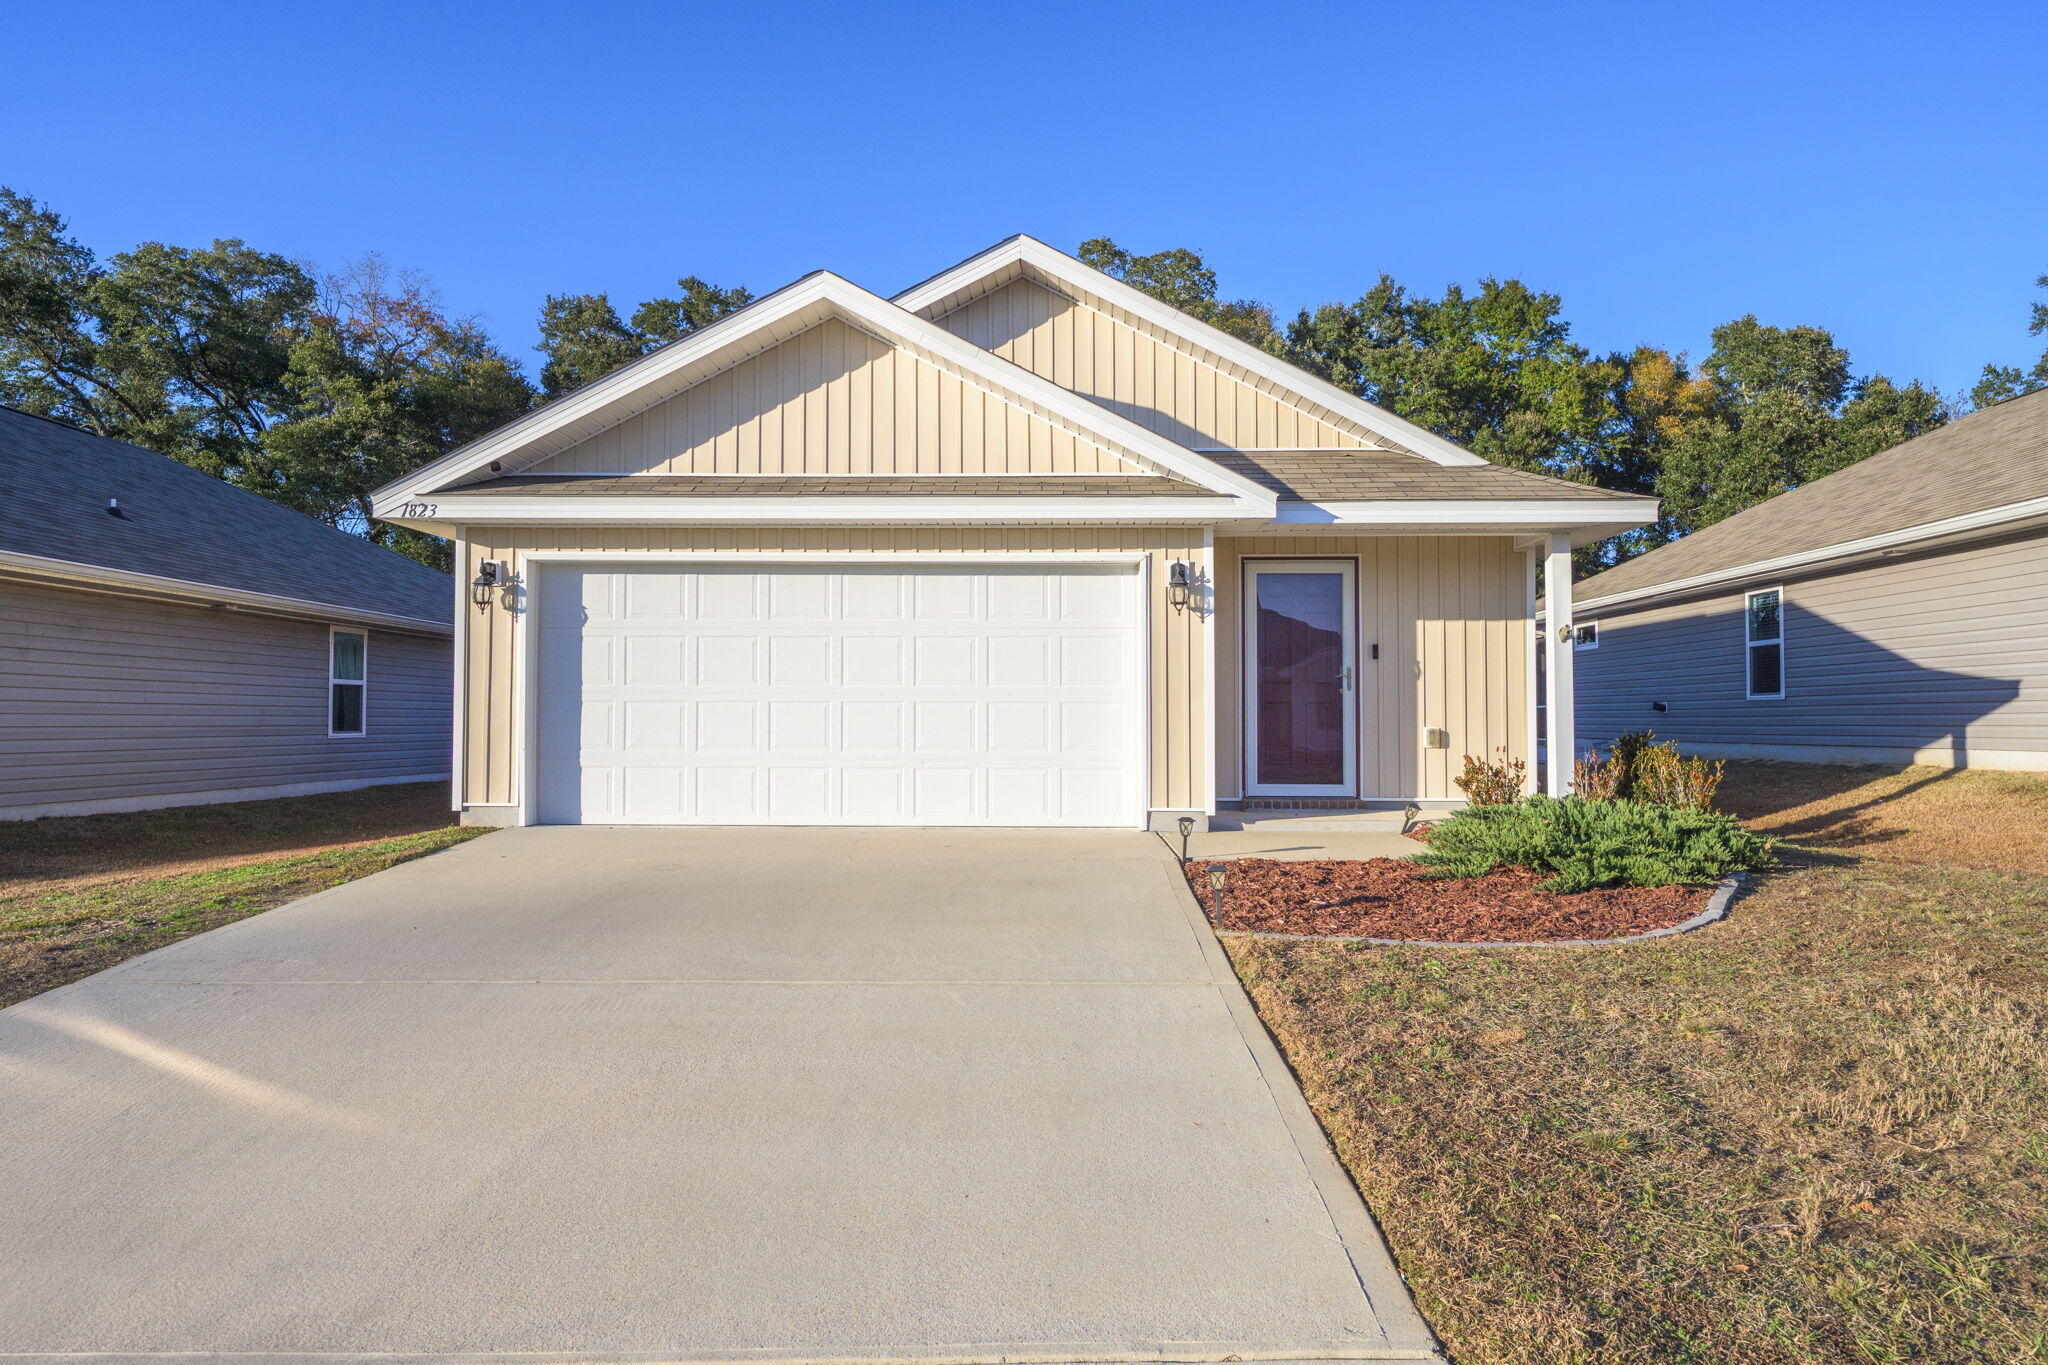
<point>110,702</point>
<point>1450,615</point>
<point>1184,392</point>
<point>1178,652</point>
<point>835,400</point>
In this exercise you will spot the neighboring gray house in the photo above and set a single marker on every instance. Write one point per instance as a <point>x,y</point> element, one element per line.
<point>166,639</point>
<point>1893,612</point>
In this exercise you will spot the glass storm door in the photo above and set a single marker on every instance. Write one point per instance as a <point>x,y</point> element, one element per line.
<point>1301,714</point>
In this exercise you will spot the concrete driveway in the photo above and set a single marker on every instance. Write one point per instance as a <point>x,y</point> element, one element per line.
<point>687,1095</point>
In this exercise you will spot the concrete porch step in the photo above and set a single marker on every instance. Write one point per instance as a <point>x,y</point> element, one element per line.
<point>1311,821</point>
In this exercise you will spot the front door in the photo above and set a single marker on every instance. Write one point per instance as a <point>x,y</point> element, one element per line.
<point>1301,721</point>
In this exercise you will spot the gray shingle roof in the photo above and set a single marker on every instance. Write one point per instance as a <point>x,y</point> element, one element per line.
<point>845,486</point>
<point>1987,460</point>
<point>178,523</point>
<point>1372,475</point>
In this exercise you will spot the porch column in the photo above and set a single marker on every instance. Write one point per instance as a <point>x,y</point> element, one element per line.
<point>1562,740</point>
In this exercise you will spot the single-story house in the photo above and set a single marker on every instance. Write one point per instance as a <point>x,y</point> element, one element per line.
<point>168,639</point>
<point>1895,611</point>
<point>1019,546</point>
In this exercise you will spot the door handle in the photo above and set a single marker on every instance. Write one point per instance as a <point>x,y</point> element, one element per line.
<point>1344,680</point>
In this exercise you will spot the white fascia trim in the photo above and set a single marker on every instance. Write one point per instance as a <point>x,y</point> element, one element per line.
<point>142,584</point>
<point>1518,512</point>
<point>1989,519</point>
<point>497,510</point>
<point>1029,251</point>
<point>863,309</point>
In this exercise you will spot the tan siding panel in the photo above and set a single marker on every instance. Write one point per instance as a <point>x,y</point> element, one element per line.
<point>835,400</point>
<point>1186,393</point>
<point>1447,614</point>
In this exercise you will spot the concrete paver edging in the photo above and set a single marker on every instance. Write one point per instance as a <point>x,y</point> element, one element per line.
<point>1716,909</point>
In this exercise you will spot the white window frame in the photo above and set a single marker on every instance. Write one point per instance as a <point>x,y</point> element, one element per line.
<point>1750,645</point>
<point>1586,635</point>
<point>362,682</point>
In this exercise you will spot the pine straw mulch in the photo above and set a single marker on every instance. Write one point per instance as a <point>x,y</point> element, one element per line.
<point>1396,899</point>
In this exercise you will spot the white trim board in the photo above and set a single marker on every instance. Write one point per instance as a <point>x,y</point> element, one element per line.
<point>634,388</point>
<point>1351,626</point>
<point>96,578</point>
<point>493,509</point>
<point>1031,258</point>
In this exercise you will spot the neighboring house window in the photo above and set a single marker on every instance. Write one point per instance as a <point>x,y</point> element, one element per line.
<point>1587,636</point>
<point>1764,627</point>
<point>348,671</point>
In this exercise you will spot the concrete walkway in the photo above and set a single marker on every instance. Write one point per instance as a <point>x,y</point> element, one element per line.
<point>648,1094</point>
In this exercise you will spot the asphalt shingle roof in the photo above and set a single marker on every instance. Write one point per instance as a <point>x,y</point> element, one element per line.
<point>1374,475</point>
<point>178,523</point>
<point>1986,460</point>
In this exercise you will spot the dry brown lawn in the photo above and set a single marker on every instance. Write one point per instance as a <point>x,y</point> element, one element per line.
<point>1918,815</point>
<point>78,895</point>
<point>1814,1133</point>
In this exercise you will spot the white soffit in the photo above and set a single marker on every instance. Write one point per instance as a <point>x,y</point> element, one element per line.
<point>1028,257</point>
<point>768,322</point>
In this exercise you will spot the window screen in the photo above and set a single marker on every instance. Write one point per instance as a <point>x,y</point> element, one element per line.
<point>348,658</point>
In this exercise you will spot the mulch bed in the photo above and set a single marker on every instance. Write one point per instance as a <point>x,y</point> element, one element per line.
<point>1392,898</point>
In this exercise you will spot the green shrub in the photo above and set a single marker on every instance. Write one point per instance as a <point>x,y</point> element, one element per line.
<point>1584,844</point>
<point>1596,778</point>
<point>1623,754</point>
<point>1664,775</point>
<point>1498,782</point>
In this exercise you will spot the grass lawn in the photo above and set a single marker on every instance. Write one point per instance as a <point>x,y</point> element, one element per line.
<point>78,895</point>
<point>1813,1133</point>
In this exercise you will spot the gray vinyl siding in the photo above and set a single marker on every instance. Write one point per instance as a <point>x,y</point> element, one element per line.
<point>1940,655</point>
<point>106,698</point>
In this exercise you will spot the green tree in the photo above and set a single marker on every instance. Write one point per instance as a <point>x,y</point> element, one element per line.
<point>382,380</point>
<point>180,349</point>
<point>237,362</point>
<point>2000,382</point>
<point>583,338</point>
<point>1779,408</point>
<point>1182,278</point>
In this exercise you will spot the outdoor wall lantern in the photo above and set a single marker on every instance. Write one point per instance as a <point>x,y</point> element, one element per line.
<point>490,576</point>
<point>1179,590</point>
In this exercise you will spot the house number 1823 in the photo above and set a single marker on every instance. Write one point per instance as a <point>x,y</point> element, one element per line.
<point>418,509</point>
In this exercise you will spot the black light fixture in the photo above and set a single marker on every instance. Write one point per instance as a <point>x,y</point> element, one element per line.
<point>1187,827</point>
<point>1180,590</point>
<point>1217,878</point>
<point>489,576</point>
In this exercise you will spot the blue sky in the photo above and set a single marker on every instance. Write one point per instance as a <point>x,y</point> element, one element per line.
<point>1876,169</point>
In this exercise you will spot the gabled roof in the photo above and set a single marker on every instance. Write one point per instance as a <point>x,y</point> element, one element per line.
<point>766,322</point>
<point>184,533</point>
<point>1023,257</point>
<point>1987,470</point>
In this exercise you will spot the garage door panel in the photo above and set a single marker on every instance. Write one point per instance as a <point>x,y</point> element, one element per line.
<point>838,696</point>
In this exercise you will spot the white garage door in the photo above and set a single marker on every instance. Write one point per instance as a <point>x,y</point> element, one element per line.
<point>838,696</point>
